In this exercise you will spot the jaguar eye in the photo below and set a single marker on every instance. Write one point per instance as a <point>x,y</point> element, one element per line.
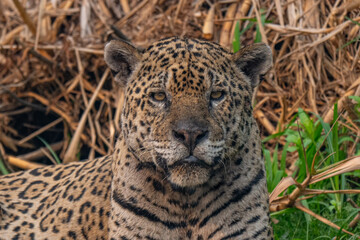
<point>217,95</point>
<point>158,96</point>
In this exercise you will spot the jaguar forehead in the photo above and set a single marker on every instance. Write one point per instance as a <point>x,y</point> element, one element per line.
<point>184,65</point>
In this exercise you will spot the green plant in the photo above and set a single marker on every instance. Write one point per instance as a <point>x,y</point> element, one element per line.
<point>274,171</point>
<point>238,33</point>
<point>323,146</point>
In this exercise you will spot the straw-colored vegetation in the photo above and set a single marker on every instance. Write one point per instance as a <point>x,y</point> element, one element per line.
<point>59,101</point>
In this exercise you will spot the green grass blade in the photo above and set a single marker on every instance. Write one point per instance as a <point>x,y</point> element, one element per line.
<point>236,40</point>
<point>55,156</point>
<point>283,157</point>
<point>268,166</point>
<point>3,169</point>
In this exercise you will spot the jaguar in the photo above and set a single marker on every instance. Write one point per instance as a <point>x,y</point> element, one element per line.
<point>187,163</point>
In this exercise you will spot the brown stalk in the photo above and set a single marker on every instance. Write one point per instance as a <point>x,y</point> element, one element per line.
<point>25,16</point>
<point>320,218</point>
<point>46,102</point>
<point>23,164</point>
<point>356,219</point>
<point>70,154</point>
<point>98,128</point>
<point>261,27</point>
<point>320,191</point>
<point>83,94</point>
<point>226,28</point>
<point>40,16</point>
<point>208,28</point>
<point>125,6</point>
<point>41,130</point>
<point>259,115</point>
<point>241,15</point>
<point>279,12</point>
<point>131,13</point>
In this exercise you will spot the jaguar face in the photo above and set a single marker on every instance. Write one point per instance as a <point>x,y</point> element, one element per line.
<point>188,103</point>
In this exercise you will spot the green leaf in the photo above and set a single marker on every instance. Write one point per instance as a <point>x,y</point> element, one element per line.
<point>335,135</point>
<point>250,25</point>
<point>356,98</point>
<point>292,149</point>
<point>279,174</point>
<point>306,122</point>
<point>345,139</point>
<point>326,127</point>
<point>293,138</point>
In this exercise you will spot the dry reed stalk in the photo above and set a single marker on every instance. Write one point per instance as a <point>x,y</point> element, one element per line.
<point>225,32</point>
<point>46,102</point>
<point>65,5</point>
<point>85,15</point>
<point>23,164</point>
<point>298,30</point>
<point>260,116</point>
<point>131,13</point>
<point>328,116</point>
<point>83,94</point>
<point>39,25</point>
<point>25,17</point>
<point>125,6</point>
<point>11,35</point>
<point>356,219</point>
<point>178,9</point>
<point>208,27</point>
<point>70,154</point>
<point>103,10</point>
<point>333,33</point>
<point>322,219</point>
<point>99,133</point>
<point>261,27</point>
<point>279,12</point>
<point>8,142</point>
<point>241,13</point>
<point>41,130</point>
<point>348,6</point>
<point>239,18</point>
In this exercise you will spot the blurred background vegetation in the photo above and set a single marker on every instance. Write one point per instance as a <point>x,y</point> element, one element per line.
<point>59,103</point>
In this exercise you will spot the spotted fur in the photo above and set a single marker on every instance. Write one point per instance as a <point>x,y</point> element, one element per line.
<point>187,164</point>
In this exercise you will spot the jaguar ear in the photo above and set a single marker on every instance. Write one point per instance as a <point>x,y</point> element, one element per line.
<point>122,59</point>
<point>253,61</point>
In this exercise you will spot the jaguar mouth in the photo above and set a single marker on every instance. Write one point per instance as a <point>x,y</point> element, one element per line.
<point>190,161</point>
<point>190,172</point>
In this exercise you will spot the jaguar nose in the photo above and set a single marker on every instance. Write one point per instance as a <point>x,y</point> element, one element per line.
<point>190,137</point>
